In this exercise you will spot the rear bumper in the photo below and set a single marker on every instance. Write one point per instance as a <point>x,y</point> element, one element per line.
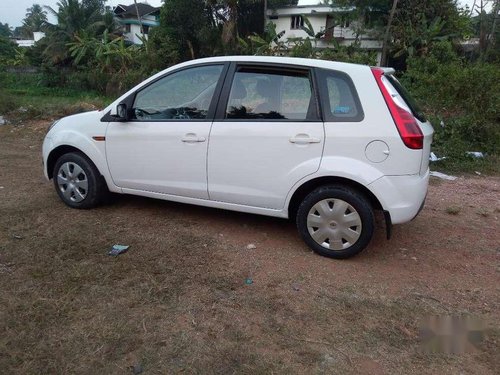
<point>402,196</point>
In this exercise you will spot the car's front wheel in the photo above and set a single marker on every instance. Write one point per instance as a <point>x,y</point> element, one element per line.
<point>335,221</point>
<point>77,181</point>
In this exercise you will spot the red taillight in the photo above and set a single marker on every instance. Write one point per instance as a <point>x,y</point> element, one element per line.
<point>405,121</point>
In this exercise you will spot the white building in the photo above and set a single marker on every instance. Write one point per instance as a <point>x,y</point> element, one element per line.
<point>37,35</point>
<point>131,18</point>
<point>333,21</point>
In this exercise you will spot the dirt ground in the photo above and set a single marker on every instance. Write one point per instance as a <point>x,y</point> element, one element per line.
<point>181,301</point>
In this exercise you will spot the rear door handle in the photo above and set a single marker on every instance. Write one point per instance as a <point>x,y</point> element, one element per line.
<point>303,139</point>
<point>192,138</point>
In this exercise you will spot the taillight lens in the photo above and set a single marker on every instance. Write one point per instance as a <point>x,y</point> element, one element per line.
<point>407,126</point>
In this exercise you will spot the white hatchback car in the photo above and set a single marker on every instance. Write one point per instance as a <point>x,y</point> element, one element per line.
<point>322,142</point>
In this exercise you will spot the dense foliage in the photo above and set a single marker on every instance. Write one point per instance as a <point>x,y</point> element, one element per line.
<point>462,99</point>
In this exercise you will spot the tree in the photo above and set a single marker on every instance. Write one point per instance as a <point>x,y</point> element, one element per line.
<point>5,30</point>
<point>485,27</point>
<point>408,27</point>
<point>73,15</point>
<point>111,55</point>
<point>419,23</point>
<point>492,39</point>
<point>35,20</point>
<point>7,46</point>
<point>383,59</point>
<point>228,14</point>
<point>190,26</point>
<point>73,18</point>
<point>7,49</point>
<point>269,43</point>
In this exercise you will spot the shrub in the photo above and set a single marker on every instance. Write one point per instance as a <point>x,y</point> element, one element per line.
<point>464,97</point>
<point>7,102</point>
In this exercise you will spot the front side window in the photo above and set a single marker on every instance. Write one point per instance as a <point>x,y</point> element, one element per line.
<point>270,94</point>
<point>182,95</point>
<point>340,100</point>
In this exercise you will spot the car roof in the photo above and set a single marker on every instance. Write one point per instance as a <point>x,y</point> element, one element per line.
<point>278,60</point>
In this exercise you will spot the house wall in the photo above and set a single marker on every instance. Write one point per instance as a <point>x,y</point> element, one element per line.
<point>134,34</point>
<point>25,42</point>
<point>37,35</point>
<point>284,23</point>
<point>150,19</point>
<point>344,35</point>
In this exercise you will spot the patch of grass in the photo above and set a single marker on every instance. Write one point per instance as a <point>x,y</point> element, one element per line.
<point>489,165</point>
<point>7,102</point>
<point>453,210</point>
<point>23,97</point>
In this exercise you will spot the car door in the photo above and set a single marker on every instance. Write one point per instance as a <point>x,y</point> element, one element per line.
<point>267,135</point>
<point>163,148</point>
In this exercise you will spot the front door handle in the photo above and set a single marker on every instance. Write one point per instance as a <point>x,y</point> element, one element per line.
<point>303,139</point>
<point>192,138</point>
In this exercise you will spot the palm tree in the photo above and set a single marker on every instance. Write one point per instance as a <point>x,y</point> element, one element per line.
<point>73,18</point>
<point>35,20</point>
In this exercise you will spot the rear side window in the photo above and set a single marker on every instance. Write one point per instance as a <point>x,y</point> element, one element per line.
<point>408,99</point>
<point>272,94</point>
<point>340,100</point>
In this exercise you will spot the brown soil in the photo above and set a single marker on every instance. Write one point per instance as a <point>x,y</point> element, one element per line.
<point>178,301</point>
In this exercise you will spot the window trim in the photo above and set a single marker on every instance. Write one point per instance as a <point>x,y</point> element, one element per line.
<point>328,116</point>
<point>220,115</point>
<point>129,100</point>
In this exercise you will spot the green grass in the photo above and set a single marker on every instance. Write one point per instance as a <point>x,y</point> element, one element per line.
<point>24,96</point>
<point>489,165</point>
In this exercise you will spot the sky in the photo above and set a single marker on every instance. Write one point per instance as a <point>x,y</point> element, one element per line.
<point>13,11</point>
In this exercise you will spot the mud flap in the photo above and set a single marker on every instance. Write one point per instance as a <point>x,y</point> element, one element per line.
<point>388,224</point>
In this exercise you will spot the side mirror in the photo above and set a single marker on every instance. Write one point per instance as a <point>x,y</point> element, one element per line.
<point>122,112</point>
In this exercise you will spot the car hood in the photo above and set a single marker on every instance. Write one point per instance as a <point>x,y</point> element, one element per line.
<point>83,122</point>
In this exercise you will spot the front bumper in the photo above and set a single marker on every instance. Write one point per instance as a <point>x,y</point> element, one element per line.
<point>46,148</point>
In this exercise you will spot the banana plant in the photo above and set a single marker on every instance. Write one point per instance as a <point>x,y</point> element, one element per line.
<point>270,43</point>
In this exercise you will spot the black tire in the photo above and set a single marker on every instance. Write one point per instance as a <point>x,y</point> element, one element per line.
<point>337,227</point>
<point>78,195</point>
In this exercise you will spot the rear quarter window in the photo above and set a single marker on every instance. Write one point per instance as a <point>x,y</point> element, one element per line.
<point>340,101</point>
<point>408,99</point>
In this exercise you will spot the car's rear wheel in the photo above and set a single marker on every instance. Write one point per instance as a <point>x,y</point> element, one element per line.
<point>335,221</point>
<point>78,182</point>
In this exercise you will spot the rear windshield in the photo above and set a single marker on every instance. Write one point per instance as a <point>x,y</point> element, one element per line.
<point>405,95</point>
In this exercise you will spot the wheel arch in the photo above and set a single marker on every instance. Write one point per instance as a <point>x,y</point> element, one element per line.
<point>308,186</point>
<point>59,151</point>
